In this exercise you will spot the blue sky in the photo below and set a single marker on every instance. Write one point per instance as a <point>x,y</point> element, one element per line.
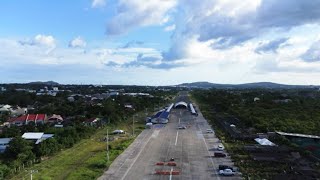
<point>160,42</point>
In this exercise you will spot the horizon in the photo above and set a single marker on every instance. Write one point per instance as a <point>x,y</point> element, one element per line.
<point>43,82</point>
<point>160,43</point>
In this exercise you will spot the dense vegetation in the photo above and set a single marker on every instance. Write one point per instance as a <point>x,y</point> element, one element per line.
<point>301,114</point>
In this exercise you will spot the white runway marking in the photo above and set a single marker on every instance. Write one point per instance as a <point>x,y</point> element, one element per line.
<point>171,174</point>
<point>176,138</point>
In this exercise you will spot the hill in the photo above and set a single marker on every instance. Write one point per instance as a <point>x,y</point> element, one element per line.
<point>264,85</point>
<point>49,83</point>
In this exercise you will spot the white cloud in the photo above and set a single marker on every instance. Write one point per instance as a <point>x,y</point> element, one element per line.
<point>313,53</point>
<point>77,42</point>
<point>98,3</point>
<point>137,13</point>
<point>170,28</point>
<point>45,40</point>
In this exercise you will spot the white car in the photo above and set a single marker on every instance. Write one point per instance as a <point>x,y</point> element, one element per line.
<point>182,127</point>
<point>226,172</point>
<point>118,131</point>
<point>220,147</point>
<point>209,131</point>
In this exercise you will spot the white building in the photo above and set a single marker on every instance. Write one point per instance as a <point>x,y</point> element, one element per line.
<point>256,99</point>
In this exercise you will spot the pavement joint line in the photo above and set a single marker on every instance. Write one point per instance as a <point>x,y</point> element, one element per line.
<point>135,159</point>
<point>176,138</point>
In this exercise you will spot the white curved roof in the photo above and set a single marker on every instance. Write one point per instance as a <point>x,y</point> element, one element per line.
<point>181,103</point>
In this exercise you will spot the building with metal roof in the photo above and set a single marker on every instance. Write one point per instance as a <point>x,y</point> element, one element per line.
<point>181,104</point>
<point>193,111</point>
<point>4,143</point>
<point>264,142</point>
<point>298,135</point>
<point>163,117</point>
<point>38,137</point>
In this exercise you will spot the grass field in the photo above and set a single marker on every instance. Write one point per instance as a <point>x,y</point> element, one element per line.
<point>85,160</point>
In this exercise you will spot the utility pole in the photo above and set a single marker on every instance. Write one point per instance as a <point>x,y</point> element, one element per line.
<point>108,144</point>
<point>133,125</point>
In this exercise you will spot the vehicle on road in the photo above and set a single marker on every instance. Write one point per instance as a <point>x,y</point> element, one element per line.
<point>149,125</point>
<point>226,172</point>
<point>219,154</point>
<point>210,131</point>
<point>182,127</point>
<point>223,167</point>
<point>220,147</point>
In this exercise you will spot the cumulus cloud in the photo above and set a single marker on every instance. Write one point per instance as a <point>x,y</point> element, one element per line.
<point>271,46</point>
<point>170,28</point>
<point>77,42</point>
<point>41,40</point>
<point>233,29</point>
<point>227,23</point>
<point>313,53</point>
<point>137,13</point>
<point>98,3</point>
<point>152,62</point>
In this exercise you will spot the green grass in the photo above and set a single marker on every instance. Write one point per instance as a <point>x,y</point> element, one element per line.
<point>86,160</point>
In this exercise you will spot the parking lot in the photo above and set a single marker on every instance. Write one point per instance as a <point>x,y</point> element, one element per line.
<point>192,150</point>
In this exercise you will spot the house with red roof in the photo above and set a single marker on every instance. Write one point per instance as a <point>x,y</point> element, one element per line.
<point>26,119</point>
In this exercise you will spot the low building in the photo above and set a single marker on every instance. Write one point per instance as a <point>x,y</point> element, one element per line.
<point>37,137</point>
<point>55,118</point>
<point>256,99</point>
<point>26,119</point>
<point>4,143</point>
<point>5,108</point>
<point>92,121</point>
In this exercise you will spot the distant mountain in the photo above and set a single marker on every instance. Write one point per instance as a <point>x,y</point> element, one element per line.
<point>264,85</point>
<point>49,83</point>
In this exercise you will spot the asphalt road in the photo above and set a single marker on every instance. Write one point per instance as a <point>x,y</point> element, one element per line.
<point>191,149</point>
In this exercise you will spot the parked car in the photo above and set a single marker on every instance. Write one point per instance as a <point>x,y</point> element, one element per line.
<point>226,172</point>
<point>220,147</point>
<point>219,154</point>
<point>223,167</point>
<point>182,127</point>
<point>118,131</point>
<point>209,131</point>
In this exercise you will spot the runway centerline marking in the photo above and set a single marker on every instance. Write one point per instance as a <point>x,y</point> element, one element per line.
<point>170,177</point>
<point>176,138</point>
<point>179,120</point>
